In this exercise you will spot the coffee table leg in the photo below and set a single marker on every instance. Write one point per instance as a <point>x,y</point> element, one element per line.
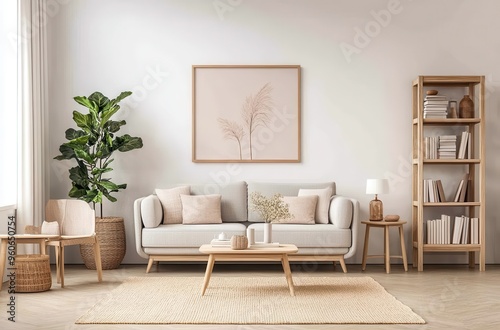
<point>208,273</point>
<point>288,273</point>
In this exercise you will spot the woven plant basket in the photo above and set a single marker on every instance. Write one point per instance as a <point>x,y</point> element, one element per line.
<point>110,232</point>
<point>33,273</point>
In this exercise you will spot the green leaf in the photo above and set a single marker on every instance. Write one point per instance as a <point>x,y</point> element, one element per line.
<point>121,97</point>
<point>78,193</point>
<point>72,134</point>
<point>66,152</point>
<point>83,121</point>
<point>109,197</point>
<point>126,143</point>
<point>82,154</point>
<point>83,100</point>
<point>108,185</point>
<point>114,126</point>
<point>100,100</point>
<point>108,113</point>
<point>98,171</point>
<point>79,176</point>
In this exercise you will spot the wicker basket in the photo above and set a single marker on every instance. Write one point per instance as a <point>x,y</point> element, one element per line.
<point>110,232</point>
<point>33,273</point>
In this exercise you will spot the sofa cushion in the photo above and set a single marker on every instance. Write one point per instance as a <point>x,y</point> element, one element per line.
<point>233,198</point>
<point>301,208</point>
<point>286,189</point>
<point>323,204</point>
<point>182,236</point>
<point>171,203</point>
<point>201,209</point>
<point>306,236</point>
<point>341,212</point>
<point>151,211</point>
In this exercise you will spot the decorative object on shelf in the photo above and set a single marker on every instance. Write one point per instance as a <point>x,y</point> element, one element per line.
<point>270,209</point>
<point>239,242</point>
<point>391,218</point>
<point>377,186</point>
<point>92,146</point>
<point>466,107</point>
<point>222,236</point>
<point>432,92</point>
<point>452,109</point>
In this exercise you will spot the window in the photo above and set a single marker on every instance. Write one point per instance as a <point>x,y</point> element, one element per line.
<point>8,103</point>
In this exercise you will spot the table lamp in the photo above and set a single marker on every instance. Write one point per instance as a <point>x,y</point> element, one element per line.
<point>377,186</point>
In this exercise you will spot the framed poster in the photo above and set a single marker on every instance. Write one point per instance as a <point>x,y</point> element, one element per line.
<point>246,114</point>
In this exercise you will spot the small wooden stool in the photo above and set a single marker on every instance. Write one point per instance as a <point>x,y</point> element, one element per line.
<point>387,255</point>
<point>33,273</point>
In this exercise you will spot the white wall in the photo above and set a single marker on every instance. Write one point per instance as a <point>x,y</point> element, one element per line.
<point>356,109</point>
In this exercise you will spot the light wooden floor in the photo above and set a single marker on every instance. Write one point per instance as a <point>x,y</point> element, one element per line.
<point>447,297</point>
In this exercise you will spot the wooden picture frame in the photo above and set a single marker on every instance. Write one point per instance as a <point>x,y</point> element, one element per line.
<point>246,114</point>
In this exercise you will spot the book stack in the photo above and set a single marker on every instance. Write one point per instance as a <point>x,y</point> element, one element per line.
<point>438,230</point>
<point>441,147</point>
<point>435,106</point>
<point>461,193</point>
<point>433,191</point>
<point>447,147</point>
<point>464,150</point>
<point>465,230</point>
<point>431,146</point>
<point>220,243</point>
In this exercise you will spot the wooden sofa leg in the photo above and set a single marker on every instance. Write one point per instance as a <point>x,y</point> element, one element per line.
<point>342,263</point>
<point>150,264</point>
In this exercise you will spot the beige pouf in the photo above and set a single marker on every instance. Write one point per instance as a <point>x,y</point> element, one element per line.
<point>33,273</point>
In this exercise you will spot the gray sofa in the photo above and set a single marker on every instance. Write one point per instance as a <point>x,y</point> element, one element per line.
<point>332,241</point>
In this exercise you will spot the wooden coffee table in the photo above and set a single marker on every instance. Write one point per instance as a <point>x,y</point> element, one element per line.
<point>251,254</point>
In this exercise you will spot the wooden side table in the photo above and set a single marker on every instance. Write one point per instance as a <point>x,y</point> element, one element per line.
<point>386,225</point>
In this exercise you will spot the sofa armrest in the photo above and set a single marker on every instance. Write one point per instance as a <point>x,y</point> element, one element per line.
<point>138,225</point>
<point>344,213</point>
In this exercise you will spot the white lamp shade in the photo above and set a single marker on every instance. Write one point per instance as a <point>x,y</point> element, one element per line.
<point>377,186</point>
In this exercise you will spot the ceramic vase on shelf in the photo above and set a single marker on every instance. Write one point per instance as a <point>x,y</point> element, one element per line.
<point>466,107</point>
<point>268,232</point>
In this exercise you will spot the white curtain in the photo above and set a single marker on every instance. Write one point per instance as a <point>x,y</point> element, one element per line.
<point>32,66</point>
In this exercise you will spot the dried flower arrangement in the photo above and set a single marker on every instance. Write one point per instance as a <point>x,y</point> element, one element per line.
<point>272,209</point>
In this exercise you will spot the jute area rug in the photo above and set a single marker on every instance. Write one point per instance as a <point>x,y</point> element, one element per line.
<point>247,300</point>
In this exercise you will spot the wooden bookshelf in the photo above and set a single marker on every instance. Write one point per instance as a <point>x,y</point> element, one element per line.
<point>475,166</point>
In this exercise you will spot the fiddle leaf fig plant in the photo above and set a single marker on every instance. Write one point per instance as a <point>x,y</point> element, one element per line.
<point>92,146</point>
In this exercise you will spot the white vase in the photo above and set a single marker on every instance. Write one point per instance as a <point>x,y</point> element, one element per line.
<point>268,232</point>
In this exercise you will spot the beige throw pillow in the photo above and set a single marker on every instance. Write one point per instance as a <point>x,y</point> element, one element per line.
<point>201,209</point>
<point>323,204</point>
<point>170,200</point>
<point>301,208</point>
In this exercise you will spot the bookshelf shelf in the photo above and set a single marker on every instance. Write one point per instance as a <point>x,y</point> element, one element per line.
<point>450,247</point>
<point>474,165</point>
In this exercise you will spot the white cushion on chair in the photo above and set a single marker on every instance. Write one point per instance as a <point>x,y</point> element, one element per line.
<point>50,228</point>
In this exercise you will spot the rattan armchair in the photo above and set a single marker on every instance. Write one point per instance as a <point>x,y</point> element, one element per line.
<point>77,227</point>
